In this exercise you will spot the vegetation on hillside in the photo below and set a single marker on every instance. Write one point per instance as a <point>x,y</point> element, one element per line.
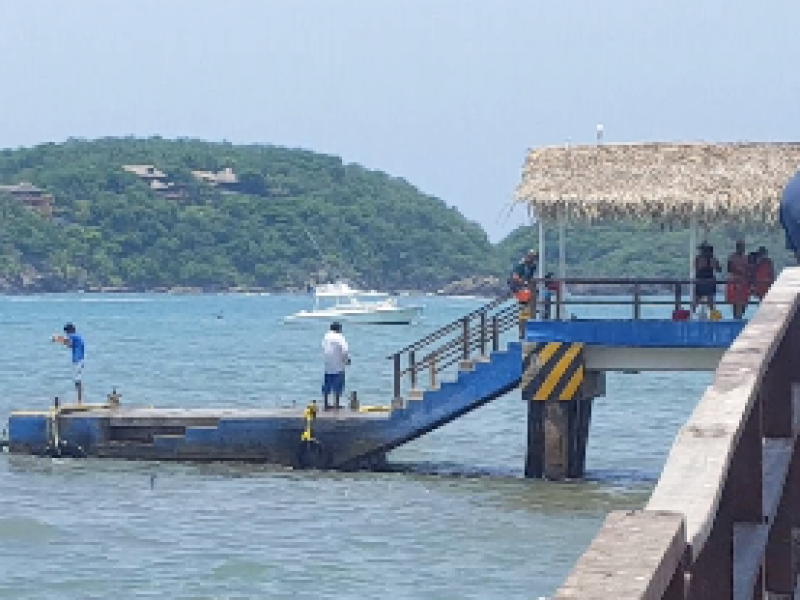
<point>294,217</point>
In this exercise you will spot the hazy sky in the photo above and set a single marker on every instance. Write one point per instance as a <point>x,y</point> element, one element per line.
<point>448,94</point>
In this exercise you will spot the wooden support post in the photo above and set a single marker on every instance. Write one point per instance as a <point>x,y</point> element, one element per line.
<point>557,437</point>
<point>583,418</point>
<point>558,419</point>
<point>495,334</point>
<point>566,430</point>
<point>397,369</point>
<point>534,457</point>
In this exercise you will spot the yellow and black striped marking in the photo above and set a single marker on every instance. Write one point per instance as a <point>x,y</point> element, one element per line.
<point>551,370</point>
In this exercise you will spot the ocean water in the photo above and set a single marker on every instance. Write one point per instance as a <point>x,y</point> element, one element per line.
<point>453,518</point>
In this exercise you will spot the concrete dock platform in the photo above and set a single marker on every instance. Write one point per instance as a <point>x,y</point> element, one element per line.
<point>258,435</point>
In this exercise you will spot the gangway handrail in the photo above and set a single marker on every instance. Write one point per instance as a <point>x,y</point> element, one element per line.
<point>450,327</point>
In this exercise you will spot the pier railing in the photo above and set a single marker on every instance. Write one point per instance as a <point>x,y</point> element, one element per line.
<point>636,293</point>
<point>472,336</point>
<point>722,519</point>
<point>478,333</point>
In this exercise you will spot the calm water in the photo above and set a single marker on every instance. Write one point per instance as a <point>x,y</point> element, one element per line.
<point>455,520</point>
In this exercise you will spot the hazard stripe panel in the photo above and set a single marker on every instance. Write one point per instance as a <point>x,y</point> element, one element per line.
<point>552,370</point>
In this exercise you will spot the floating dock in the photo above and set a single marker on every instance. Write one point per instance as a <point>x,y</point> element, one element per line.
<point>257,435</point>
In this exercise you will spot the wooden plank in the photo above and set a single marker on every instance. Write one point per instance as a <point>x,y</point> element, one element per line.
<point>749,544</point>
<point>635,555</point>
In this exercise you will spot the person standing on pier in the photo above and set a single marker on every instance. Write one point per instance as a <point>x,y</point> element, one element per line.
<point>706,266</point>
<point>523,287</point>
<point>737,291</point>
<point>337,357</point>
<point>74,341</point>
<point>763,273</point>
<point>790,215</point>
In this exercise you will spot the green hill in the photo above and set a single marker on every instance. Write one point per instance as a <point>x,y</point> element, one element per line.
<point>290,217</point>
<point>293,216</point>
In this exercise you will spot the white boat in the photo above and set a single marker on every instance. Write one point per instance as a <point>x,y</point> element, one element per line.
<point>347,307</point>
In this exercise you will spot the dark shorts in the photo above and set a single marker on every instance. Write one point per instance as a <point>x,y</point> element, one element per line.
<point>334,382</point>
<point>705,289</point>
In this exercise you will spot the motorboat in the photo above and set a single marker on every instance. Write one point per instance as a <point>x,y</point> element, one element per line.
<point>340,302</point>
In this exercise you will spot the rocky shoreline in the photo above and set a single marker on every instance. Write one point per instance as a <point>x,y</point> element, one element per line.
<point>487,287</point>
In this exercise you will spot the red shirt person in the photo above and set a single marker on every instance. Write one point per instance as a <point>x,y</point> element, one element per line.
<point>737,291</point>
<point>763,274</point>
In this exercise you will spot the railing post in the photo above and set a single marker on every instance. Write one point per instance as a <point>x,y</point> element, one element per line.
<point>465,338</point>
<point>677,296</point>
<point>483,334</point>
<point>397,375</point>
<point>412,367</point>
<point>559,301</point>
<point>637,301</point>
<point>495,334</point>
<point>433,371</point>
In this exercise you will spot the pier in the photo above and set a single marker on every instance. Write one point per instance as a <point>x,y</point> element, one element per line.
<point>559,367</point>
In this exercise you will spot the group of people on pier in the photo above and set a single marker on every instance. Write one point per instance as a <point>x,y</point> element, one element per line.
<point>748,276</point>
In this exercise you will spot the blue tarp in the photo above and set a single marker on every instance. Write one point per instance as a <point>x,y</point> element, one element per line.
<point>637,333</point>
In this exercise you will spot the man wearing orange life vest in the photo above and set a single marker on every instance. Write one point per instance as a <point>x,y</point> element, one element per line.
<point>763,273</point>
<point>522,277</point>
<point>523,287</point>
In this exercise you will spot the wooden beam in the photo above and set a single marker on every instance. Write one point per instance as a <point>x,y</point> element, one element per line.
<point>637,554</point>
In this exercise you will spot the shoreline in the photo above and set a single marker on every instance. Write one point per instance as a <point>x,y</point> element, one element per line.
<point>187,291</point>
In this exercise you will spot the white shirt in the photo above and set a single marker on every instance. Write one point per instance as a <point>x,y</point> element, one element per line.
<point>334,347</point>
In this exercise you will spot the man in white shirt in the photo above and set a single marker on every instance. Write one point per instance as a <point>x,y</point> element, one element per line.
<point>337,357</point>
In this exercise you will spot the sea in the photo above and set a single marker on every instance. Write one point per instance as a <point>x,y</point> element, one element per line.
<point>452,517</point>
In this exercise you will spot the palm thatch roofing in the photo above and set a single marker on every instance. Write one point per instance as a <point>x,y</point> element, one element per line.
<point>663,182</point>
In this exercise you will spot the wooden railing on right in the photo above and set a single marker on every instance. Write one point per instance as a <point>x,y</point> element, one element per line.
<point>721,520</point>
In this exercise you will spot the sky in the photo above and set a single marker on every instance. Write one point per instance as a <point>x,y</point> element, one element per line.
<point>447,94</point>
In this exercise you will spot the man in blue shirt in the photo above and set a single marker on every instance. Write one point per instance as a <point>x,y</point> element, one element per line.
<point>790,215</point>
<point>74,341</point>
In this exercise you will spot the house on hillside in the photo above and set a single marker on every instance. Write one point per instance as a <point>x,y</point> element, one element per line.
<point>156,180</point>
<point>225,180</point>
<point>146,172</point>
<point>31,196</point>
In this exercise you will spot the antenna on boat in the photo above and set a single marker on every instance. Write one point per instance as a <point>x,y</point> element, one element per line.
<point>318,249</point>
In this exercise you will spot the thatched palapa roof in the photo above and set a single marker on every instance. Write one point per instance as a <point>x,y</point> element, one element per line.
<point>666,182</point>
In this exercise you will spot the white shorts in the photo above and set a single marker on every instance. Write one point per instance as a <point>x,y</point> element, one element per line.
<point>77,370</point>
